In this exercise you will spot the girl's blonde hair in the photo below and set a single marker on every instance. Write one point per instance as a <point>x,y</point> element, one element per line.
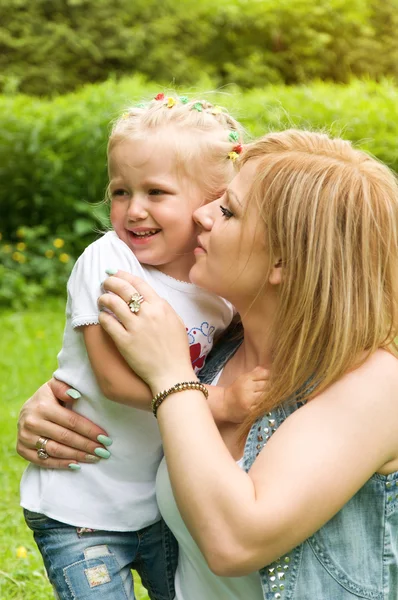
<point>203,136</point>
<point>331,219</point>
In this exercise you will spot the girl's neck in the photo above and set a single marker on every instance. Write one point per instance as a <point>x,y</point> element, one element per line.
<point>178,269</point>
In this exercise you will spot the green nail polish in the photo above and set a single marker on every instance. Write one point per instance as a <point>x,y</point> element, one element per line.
<point>102,452</point>
<point>111,271</point>
<point>74,467</point>
<point>90,458</point>
<point>74,394</point>
<point>104,439</point>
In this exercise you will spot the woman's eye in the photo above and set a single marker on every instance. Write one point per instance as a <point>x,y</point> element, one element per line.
<point>226,212</point>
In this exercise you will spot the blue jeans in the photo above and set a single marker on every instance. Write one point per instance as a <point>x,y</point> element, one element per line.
<point>86,564</point>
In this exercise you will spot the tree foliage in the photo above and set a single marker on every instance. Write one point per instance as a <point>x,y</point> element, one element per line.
<point>53,46</point>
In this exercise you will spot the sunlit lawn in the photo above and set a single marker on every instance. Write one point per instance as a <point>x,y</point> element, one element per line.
<point>29,343</point>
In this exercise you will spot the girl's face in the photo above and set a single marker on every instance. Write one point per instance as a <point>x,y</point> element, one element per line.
<point>231,257</point>
<point>152,207</point>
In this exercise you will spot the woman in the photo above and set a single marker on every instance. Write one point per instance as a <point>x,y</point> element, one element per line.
<point>305,245</point>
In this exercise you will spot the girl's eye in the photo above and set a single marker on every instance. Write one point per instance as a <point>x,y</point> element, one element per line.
<point>156,192</point>
<point>119,192</point>
<point>226,212</point>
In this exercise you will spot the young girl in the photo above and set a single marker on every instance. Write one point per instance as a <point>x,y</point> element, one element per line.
<point>94,525</point>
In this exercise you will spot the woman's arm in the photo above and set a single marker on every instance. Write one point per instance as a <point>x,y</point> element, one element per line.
<point>316,461</point>
<point>72,438</point>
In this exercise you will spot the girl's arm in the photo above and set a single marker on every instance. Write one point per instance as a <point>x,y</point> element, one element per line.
<point>120,384</point>
<point>314,463</point>
<point>115,378</point>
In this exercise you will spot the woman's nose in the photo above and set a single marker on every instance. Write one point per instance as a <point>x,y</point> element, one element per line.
<point>205,215</point>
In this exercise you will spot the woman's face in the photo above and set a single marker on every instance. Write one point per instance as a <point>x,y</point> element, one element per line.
<point>231,257</point>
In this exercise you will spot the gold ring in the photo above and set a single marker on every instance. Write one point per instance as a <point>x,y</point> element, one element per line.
<point>41,448</point>
<point>135,302</point>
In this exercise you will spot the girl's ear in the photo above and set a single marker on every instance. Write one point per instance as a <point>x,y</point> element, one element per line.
<point>275,277</point>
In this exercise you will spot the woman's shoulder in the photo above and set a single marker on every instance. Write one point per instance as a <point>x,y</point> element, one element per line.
<point>377,372</point>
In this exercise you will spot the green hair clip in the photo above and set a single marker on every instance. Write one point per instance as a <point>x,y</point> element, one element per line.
<point>198,106</point>
<point>184,99</point>
<point>234,136</point>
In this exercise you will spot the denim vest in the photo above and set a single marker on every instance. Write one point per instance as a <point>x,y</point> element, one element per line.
<point>355,554</point>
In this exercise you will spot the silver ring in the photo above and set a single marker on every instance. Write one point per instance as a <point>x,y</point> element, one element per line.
<point>135,302</point>
<point>41,448</point>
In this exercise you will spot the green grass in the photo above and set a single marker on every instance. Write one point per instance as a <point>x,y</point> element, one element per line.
<point>29,343</point>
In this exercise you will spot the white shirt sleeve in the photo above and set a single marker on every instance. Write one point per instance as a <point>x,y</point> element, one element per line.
<point>84,285</point>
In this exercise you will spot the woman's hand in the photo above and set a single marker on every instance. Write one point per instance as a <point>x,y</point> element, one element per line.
<point>153,341</point>
<point>72,438</point>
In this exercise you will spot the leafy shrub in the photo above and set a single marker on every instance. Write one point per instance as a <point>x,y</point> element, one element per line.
<point>53,159</point>
<point>54,46</point>
<point>35,266</point>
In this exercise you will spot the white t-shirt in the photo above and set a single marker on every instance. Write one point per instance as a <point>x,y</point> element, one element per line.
<point>193,579</point>
<point>116,494</point>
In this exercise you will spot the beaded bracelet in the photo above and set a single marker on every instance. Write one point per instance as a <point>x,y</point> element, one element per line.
<point>178,387</point>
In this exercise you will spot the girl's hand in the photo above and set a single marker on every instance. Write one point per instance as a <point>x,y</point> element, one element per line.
<point>72,438</point>
<point>153,341</point>
<point>244,393</point>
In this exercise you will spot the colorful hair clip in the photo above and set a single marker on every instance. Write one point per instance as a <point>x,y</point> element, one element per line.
<point>232,156</point>
<point>170,102</point>
<point>184,99</point>
<point>140,105</point>
<point>198,106</point>
<point>125,115</point>
<point>238,148</point>
<point>216,110</point>
<point>233,136</point>
<point>159,97</point>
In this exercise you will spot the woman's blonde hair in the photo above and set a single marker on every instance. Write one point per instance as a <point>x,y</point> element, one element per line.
<point>331,219</point>
<point>202,135</point>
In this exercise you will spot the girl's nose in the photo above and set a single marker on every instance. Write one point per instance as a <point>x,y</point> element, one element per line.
<point>136,210</point>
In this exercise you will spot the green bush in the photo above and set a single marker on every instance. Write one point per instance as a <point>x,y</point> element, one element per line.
<point>35,266</point>
<point>53,159</point>
<point>54,46</point>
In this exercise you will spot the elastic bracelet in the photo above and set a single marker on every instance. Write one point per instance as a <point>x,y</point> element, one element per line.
<point>178,387</point>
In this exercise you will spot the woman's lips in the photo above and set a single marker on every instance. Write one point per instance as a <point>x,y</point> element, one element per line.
<point>199,248</point>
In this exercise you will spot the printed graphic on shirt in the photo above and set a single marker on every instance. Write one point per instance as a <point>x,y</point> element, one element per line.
<point>200,343</point>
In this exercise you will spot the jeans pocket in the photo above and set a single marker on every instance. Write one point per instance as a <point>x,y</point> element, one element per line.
<point>97,578</point>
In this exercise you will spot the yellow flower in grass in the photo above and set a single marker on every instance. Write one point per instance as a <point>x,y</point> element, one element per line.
<point>7,248</point>
<point>20,232</point>
<point>18,257</point>
<point>59,243</point>
<point>21,246</point>
<point>21,552</point>
<point>49,253</point>
<point>64,257</point>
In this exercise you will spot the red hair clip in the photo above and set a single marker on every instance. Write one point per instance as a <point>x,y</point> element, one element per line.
<point>159,97</point>
<point>238,149</point>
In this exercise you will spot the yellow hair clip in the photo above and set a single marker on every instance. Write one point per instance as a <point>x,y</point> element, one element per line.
<point>170,102</point>
<point>216,110</point>
<point>125,115</point>
<point>233,155</point>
